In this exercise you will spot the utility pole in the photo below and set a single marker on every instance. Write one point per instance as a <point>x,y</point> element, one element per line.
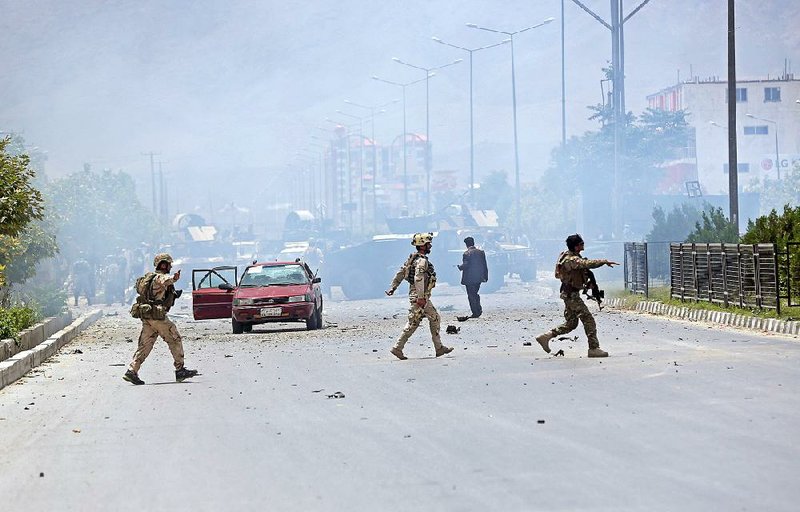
<point>733,164</point>
<point>153,178</point>
<point>616,27</point>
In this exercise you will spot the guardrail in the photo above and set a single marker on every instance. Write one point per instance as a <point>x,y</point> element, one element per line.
<point>743,275</point>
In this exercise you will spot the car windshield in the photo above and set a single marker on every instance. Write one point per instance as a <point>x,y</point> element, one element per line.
<point>274,275</point>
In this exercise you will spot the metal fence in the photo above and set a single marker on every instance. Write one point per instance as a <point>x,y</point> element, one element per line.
<point>741,275</point>
<point>789,265</point>
<point>635,268</point>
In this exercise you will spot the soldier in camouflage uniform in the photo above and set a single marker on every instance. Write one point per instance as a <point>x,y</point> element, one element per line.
<point>572,269</point>
<point>157,294</point>
<point>419,273</point>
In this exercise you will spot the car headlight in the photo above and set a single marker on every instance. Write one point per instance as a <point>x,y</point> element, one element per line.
<point>242,302</point>
<point>298,298</point>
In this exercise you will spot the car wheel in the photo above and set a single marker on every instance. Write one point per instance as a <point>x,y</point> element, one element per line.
<point>311,322</point>
<point>238,327</point>
<point>319,317</point>
<point>247,327</point>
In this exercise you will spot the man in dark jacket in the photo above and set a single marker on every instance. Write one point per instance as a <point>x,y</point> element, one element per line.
<point>473,272</point>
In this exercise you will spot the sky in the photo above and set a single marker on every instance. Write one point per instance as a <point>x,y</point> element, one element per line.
<point>226,92</point>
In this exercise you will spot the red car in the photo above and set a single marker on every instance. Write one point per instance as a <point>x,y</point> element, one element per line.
<point>267,292</point>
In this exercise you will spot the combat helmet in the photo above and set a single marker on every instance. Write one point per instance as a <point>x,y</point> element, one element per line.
<point>162,256</point>
<point>421,239</point>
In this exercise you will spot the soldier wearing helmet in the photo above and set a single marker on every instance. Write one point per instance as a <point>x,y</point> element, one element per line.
<point>421,277</point>
<point>573,271</point>
<point>157,294</point>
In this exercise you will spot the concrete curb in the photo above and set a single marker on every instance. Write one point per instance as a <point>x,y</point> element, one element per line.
<point>18,365</point>
<point>33,335</point>
<point>717,317</point>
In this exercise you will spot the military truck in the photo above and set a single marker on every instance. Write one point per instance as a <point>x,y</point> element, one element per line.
<point>365,270</point>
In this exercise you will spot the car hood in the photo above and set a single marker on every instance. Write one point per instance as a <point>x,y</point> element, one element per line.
<point>272,291</point>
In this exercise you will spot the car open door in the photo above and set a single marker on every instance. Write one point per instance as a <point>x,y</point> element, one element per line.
<point>212,292</point>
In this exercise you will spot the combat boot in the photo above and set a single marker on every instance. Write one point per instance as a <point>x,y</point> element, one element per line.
<point>544,341</point>
<point>132,377</point>
<point>183,374</point>
<point>443,350</point>
<point>396,352</point>
<point>597,352</point>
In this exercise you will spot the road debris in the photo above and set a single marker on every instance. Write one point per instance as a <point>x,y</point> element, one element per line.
<point>77,351</point>
<point>560,353</point>
<point>452,329</point>
<point>338,394</point>
<point>526,343</point>
<point>463,318</point>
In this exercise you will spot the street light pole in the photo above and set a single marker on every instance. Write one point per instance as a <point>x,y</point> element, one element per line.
<point>405,165</point>
<point>360,167</point>
<point>777,154</point>
<point>428,74</point>
<point>372,110</point>
<point>514,106</point>
<point>471,120</point>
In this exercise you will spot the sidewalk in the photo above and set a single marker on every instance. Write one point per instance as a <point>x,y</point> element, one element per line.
<point>791,327</point>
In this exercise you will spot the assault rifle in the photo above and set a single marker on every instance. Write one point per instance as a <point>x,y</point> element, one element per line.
<point>597,294</point>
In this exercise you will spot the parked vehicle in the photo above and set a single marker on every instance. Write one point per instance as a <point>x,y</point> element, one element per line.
<point>267,292</point>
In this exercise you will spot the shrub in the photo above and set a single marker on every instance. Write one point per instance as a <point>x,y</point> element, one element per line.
<point>15,319</point>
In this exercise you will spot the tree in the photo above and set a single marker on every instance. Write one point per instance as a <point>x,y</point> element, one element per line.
<point>98,214</point>
<point>675,226</point>
<point>715,228</point>
<point>20,205</point>
<point>20,202</point>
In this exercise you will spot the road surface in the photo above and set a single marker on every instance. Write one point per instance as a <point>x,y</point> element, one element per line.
<point>681,416</point>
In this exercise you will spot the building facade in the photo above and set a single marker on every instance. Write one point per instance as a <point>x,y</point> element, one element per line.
<point>767,126</point>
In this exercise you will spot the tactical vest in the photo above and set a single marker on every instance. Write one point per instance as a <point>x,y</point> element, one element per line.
<point>412,267</point>
<point>146,306</point>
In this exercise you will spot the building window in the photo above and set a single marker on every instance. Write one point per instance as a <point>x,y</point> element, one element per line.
<point>741,95</point>
<point>772,94</point>
<point>742,168</point>
<point>756,130</point>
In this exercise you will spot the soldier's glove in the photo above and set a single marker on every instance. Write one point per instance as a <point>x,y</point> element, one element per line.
<point>178,293</point>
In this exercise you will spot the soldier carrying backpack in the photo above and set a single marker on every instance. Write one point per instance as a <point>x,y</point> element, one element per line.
<point>156,295</point>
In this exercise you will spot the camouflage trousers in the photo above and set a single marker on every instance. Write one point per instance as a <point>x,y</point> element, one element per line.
<point>575,309</point>
<point>415,316</point>
<point>151,330</point>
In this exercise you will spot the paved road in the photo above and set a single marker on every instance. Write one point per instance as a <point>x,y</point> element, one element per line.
<point>682,416</point>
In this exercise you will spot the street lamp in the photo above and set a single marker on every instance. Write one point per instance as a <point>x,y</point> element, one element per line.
<point>360,166</point>
<point>471,125</point>
<point>777,155</point>
<point>428,74</point>
<point>340,185</point>
<point>372,109</point>
<point>514,100</point>
<point>405,157</point>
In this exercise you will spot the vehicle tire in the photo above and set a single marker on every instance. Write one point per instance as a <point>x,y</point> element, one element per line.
<point>528,274</point>
<point>360,285</point>
<point>495,283</point>
<point>247,327</point>
<point>238,327</point>
<point>319,317</point>
<point>311,322</point>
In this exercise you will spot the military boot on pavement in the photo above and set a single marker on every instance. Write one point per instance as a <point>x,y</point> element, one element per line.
<point>443,350</point>
<point>183,374</point>
<point>133,378</point>
<point>544,341</point>
<point>597,352</point>
<point>396,352</point>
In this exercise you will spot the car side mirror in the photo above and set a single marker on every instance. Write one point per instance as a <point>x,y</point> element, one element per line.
<point>225,286</point>
<point>316,280</point>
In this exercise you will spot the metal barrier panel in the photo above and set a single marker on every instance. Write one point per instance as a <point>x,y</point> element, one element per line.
<point>728,274</point>
<point>636,268</point>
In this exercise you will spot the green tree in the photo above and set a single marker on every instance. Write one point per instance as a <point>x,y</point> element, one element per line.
<point>674,226</point>
<point>20,205</point>
<point>714,227</point>
<point>774,228</point>
<point>99,214</point>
